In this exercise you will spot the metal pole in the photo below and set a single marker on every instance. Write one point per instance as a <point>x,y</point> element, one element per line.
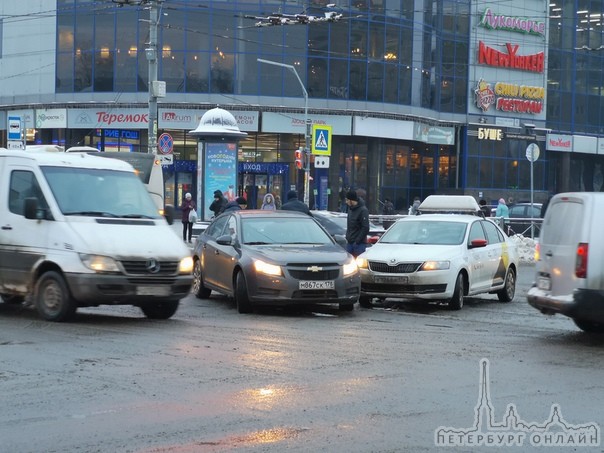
<point>532,223</point>
<point>306,125</point>
<point>151,53</point>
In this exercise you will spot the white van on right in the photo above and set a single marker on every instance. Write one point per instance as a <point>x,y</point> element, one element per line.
<point>570,260</point>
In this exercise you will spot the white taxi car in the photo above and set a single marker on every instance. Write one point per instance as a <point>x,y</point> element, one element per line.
<point>440,257</point>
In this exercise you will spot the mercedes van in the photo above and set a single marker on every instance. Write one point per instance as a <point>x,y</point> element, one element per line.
<point>80,230</point>
<point>570,260</point>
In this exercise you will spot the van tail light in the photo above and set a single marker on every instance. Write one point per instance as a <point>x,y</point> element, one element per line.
<point>537,252</point>
<point>581,263</point>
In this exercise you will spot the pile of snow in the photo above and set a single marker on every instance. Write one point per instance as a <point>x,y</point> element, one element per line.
<point>525,247</point>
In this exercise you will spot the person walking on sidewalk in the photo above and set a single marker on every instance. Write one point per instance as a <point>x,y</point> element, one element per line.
<point>187,206</point>
<point>357,226</point>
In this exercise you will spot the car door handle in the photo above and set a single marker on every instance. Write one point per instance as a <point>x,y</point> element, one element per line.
<point>7,227</point>
<point>549,254</point>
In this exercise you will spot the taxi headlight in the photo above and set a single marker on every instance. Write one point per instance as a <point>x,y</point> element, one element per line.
<point>350,268</point>
<point>268,269</point>
<point>435,266</point>
<point>99,263</point>
<point>186,265</point>
<point>362,263</point>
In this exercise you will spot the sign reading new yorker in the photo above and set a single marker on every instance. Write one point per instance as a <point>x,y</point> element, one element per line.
<point>510,58</point>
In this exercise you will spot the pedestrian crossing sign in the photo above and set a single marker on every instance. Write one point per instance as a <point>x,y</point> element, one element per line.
<point>321,140</point>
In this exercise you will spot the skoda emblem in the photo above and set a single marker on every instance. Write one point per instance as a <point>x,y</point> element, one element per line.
<point>393,260</point>
<point>152,266</point>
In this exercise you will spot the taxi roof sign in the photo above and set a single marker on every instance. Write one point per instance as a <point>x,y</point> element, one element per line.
<point>460,204</point>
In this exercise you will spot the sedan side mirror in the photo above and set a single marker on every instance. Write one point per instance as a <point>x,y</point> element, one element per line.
<point>225,240</point>
<point>476,243</point>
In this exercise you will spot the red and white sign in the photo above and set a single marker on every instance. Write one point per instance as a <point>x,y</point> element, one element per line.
<point>165,143</point>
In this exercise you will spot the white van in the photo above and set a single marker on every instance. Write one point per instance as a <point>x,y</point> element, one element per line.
<point>81,230</point>
<point>570,260</point>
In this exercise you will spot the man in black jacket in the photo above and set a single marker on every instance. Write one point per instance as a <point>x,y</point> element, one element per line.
<point>357,227</point>
<point>219,203</point>
<point>293,204</point>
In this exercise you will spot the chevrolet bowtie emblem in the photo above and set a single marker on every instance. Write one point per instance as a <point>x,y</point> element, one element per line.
<point>314,268</point>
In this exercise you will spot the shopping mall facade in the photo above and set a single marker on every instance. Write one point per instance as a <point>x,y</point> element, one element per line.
<point>446,96</point>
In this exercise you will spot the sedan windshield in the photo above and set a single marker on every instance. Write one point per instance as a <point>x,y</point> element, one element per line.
<point>425,232</point>
<point>279,230</point>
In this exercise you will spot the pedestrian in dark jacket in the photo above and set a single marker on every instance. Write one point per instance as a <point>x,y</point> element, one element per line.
<point>219,203</point>
<point>237,205</point>
<point>484,209</point>
<point>293,204</point>
<point>187,206</point>
<point>357,227</point>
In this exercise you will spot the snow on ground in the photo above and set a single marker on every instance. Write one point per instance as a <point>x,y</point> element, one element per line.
<point>525,247</point>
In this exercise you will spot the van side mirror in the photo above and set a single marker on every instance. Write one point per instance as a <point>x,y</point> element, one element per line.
<point>169,214</point>
<point>31,208</point>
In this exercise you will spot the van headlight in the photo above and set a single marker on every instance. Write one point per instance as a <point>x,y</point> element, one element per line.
<point>350,268</point>
<point>99,263</point>
<point>186,265</point>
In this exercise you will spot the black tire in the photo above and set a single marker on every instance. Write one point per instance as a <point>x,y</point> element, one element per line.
<point>365,302</point>
<point>456,302</point>
<point>163,309</point>
<point>200,291</point>
<point>346,307</point>
<point>12,299</point>
<point>589,326</point>
<point>52,298</point>
<point>506,294</point>
<point>242,299</point>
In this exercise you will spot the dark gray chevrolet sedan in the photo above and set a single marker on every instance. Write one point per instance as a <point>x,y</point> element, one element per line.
<point>276,258</point>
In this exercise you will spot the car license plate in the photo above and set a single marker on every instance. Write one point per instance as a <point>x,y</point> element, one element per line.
<point>398,279</point>
<point>544,283</point>
<point>326,284</point>
<point>153,290</point>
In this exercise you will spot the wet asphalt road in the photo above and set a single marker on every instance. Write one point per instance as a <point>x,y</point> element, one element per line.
<point>212,380</point>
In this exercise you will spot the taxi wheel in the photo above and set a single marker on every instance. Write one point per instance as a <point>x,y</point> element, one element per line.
<point>241,297</point>
<point>456,302</point>
<point>199,288</point>
<point>506,294</point>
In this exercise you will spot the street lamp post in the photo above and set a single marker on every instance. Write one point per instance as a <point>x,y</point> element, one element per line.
<point>306,125</point>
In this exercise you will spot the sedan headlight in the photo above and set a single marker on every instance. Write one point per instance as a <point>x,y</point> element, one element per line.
<point>362,263</point>
<point>268,269</point>
<point>350,268</point>
<point>435,266</point>
<point>186,265</point>
<point>99,263</point>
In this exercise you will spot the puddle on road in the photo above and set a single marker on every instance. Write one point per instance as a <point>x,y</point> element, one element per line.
<point>264,436</point>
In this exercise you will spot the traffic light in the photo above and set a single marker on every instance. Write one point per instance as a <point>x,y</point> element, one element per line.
<point>299,154</point>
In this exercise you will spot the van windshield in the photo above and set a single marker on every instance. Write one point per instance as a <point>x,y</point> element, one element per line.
<point>99,192</point>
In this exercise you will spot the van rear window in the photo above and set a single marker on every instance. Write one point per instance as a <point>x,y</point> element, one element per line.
<point>562,223</point>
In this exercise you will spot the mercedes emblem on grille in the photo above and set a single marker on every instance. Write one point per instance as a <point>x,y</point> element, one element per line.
<point>152,266</point>
<point>314,268</point>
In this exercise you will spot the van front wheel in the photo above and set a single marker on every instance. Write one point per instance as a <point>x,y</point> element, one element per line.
<point>160,310</point>
<point>52,298</point>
